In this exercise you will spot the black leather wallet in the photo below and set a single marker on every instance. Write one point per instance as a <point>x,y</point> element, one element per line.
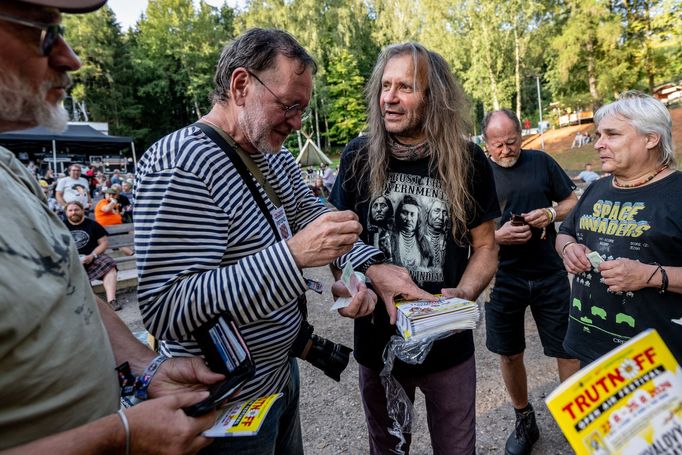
<point>225,352</point>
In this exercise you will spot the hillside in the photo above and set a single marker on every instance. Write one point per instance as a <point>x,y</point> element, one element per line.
<point>558,144</point>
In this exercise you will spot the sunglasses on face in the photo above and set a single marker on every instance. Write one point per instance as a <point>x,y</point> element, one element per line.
<point>49,33</point>
<point>289,111</point>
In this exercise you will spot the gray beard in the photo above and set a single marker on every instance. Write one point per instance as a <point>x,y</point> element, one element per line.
<point>19,103</point>
<point>506,163</point>
<point>246,122</point>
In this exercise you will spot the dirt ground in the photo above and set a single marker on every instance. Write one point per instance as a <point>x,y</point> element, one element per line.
<point>331,413</point>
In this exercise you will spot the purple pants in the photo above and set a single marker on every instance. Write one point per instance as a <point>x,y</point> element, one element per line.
<point>450,397</point>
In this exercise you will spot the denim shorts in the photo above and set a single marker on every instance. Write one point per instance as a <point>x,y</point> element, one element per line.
<point>548,298</point>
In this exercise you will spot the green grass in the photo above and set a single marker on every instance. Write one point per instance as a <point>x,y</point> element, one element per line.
<point>575,159</point>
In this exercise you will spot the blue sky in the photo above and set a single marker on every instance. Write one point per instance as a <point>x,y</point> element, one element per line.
<point>128,11</point>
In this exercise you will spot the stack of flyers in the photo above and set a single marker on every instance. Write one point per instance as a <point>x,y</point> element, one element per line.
<point>421,318</point>
<point>351,279</point>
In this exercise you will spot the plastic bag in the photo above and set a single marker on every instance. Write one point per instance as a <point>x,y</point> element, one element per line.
<point>400,408</point>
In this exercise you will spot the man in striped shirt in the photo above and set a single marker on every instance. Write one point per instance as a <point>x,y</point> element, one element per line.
<point>204,246</point>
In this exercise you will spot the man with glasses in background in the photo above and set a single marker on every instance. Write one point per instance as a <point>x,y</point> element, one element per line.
<point>58,384</point>
<point>72,188</point>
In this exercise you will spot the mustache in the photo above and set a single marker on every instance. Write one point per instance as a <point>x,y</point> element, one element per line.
<point>62,80</point>
<point>392,110</point>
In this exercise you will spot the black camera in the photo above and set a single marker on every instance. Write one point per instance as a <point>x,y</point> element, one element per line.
<point>332,358</point>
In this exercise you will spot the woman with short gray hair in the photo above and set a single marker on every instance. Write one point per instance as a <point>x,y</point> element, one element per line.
<point>623,241</point>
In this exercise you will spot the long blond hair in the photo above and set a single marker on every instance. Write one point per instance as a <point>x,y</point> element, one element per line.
<point>444,121</point>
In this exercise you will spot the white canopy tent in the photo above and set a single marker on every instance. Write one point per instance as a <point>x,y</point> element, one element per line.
<point>311,155</point>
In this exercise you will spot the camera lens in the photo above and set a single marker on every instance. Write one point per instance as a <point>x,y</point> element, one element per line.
<point>332,358</point>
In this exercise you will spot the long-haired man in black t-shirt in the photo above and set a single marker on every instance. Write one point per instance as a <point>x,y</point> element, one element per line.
<point>416,154</point>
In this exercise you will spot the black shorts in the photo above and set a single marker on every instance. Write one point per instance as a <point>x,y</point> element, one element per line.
<point>548,299</point>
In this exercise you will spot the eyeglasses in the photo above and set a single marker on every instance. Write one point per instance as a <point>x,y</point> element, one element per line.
<point>289,111</point>
<point>49,33</point>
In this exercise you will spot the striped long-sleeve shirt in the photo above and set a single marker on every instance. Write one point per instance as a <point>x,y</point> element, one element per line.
<point>205,248</point>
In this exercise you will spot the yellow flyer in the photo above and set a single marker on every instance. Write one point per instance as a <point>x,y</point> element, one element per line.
<point>628,402</point>
<point>242,419</point>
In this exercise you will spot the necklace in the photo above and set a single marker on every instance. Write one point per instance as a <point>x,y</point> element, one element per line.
<point>641,181</point>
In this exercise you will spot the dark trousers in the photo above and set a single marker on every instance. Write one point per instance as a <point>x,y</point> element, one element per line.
<point>450,397</point>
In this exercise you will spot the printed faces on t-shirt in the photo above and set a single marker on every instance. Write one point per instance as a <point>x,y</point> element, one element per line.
<point>74,190</point>
<point>410,223</point>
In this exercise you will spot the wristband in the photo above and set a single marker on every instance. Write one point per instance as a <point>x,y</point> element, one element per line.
<point>552,212</point>
<point>142,382</point>
<point>563,249</point>
<point>126,429</point>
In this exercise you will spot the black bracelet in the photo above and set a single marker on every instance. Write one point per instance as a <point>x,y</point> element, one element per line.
<point>664,280</point>
<point>658,266</point>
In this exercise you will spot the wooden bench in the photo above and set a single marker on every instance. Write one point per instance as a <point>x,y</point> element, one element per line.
<point>120,235</point>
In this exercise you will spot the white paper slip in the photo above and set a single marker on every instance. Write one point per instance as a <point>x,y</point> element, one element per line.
<point>677,321</point>
<point>348,278</point>
<point>341,302</point>
<point>595,259</point>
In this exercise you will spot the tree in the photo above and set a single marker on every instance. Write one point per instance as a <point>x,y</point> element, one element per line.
<point>329,30</point>
<point>100,90</point>
<point>649,25</point>
<point>587,52</point>
<point>489,76</point>
<point>347,112</point>
<point>174,49</point>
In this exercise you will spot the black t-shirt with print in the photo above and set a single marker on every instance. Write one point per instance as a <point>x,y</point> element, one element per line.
<point>640,223</point>
<point>535,181</point>
<point>86,234</point>
<point>410,224</point>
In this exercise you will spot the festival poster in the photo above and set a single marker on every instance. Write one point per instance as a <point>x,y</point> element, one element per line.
<point>628,402</point>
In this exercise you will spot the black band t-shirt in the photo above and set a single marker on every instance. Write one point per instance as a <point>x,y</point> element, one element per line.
<point>86,234</point>
<point>410,223</point>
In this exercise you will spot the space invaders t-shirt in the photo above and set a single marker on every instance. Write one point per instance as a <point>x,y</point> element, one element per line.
<point>643,224</point>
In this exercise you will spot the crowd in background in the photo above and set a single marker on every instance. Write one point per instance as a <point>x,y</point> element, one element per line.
<point>96,185</point>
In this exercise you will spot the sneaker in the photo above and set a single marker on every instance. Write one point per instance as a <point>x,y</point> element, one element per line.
<point>114,305</point>
<point>525,434</point>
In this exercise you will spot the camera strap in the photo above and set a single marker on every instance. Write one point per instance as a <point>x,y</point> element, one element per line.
<point>244,173</point>
<point>248,179</point>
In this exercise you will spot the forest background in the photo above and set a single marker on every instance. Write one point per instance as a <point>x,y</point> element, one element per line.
<point>155,77</point>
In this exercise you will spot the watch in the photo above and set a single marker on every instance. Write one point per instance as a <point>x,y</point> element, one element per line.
<point>94,255</point>
<point>377,259</point>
